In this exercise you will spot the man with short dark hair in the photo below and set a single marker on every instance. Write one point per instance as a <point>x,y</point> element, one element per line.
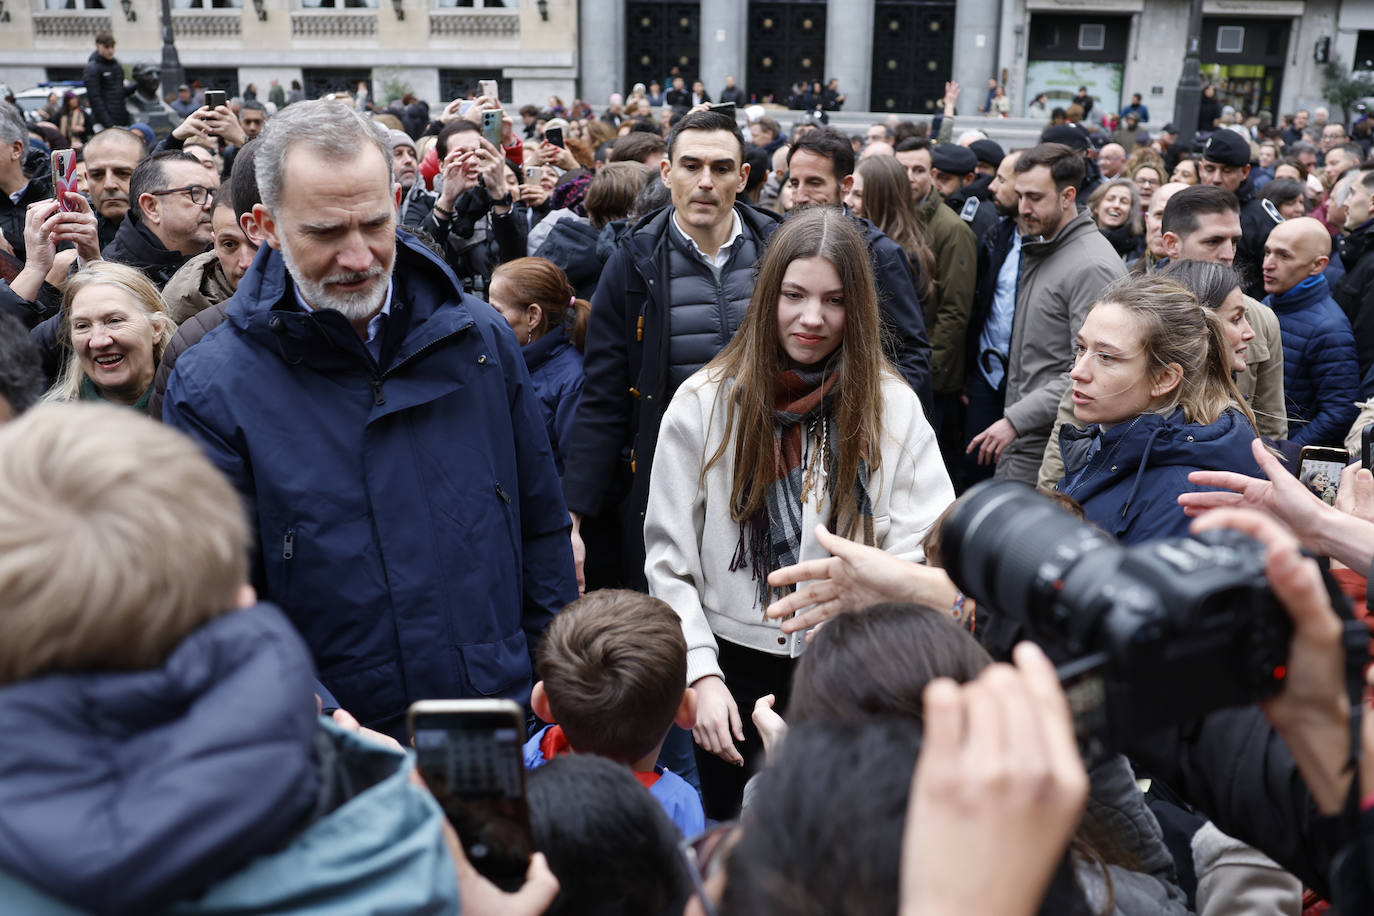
<point>111,157</point>
<point>1321,375</point>
<point>670,298</point>
<point>359,494</point>
<point>1026,347</point>
<point>639,146</point>
<point>1225,164</point>
<point>1137,108</point>
<point>732,94</point>
<point>252,117</point>
<point>821,171</point>
<point>169,216</point>
<point>1293,133</point>
<point>105,89</point>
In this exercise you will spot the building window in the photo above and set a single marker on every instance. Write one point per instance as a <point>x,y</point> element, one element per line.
<point>1092,37</point>
<point>73,4</point>
<point>1230,39</point>
<point>1364,51</point>
<point>338,4</point>
<point>207,4</point>
<point>476,4</point>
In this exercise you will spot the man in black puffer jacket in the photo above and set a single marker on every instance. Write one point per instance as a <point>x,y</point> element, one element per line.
<point>670,299</point>
<point>104,78</point>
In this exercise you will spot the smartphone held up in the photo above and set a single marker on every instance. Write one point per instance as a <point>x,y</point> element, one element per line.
<point>64,177</point>
<point>470,755</point>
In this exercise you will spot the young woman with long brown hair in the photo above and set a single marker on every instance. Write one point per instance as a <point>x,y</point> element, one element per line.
<point>800,421</point>
<point>881,194</point>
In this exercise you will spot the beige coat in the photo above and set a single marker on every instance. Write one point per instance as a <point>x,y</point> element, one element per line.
<point>197,285</point>
<point>1061,278</point>
<point>1261,384</point>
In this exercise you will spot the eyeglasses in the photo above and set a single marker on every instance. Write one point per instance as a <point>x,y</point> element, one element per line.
<point>698,856</point>
<point>198,193</point>
<point>1149,182</point>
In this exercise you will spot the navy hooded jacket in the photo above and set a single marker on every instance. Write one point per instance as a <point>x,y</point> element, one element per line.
<point>1128,478</point>
<point>1321,372</point>
<point>409,516</point>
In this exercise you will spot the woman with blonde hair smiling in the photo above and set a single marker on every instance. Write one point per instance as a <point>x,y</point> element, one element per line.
<point>800,422</point>
<point>117,328</point>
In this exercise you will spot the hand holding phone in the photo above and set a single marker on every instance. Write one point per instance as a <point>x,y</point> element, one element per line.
<point>470,755</point>
<point>555,136</point>
<point>1320,469</point>
<point>64,178</point>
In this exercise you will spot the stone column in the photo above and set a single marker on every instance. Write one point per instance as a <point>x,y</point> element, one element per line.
<point>601,50</point>
<point>976,37</point>
<point>849,50</point>
<point>724,37</point>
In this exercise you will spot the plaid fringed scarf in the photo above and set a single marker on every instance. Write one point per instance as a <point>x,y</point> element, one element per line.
<point>804,436</point>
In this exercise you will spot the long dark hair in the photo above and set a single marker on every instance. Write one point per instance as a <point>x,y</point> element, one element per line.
<point>887,205</point>
<point>754,360</point>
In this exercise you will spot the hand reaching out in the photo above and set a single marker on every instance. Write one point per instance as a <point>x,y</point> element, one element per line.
<point>1281,496</point>
<point>772,728</point>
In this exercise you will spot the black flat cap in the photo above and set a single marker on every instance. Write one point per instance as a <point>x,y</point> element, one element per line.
<point>954,159</point>
<point>1226,147</point>
<point>1071,135</point>
<point>988,151</point>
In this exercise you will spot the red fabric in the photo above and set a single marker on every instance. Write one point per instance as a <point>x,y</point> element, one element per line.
<point>515,153</point>
<point>647,780</point>
<point>554,743</point>
<point>429,168</point>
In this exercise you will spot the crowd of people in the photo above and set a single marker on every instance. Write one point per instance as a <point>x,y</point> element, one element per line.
<point>652,422</point>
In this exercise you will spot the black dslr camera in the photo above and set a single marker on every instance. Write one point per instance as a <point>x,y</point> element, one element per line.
<point>1145,637</point>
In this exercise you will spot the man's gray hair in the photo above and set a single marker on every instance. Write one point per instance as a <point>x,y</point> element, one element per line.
<point>12,126</point>
<point>330,129</point>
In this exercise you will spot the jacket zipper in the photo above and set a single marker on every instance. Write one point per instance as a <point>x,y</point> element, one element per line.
<point>288,544</point>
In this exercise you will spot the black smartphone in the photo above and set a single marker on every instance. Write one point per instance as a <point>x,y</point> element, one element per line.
<point>64,177</point>
<point>214,98</point>
<point>725,108</point>
<point>1319,469</point>
<point>1367,447</point>
<point>470,755</point>
<point>554,135</point>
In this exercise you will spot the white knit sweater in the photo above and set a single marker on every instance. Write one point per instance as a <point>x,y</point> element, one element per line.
<point>689,537</point>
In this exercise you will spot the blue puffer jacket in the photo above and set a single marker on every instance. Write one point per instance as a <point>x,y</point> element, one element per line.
<point>409,515</point>
<point>1128,478</point>
<point>1321,373</point>
<point>209,781</point>
<point>556,370</point>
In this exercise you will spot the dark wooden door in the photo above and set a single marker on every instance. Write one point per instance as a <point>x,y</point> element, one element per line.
<point>786,46</point>
<point>661,40</point>
<point>913,54</point>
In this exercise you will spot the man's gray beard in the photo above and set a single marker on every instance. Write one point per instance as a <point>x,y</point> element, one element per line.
<point>359,306</point>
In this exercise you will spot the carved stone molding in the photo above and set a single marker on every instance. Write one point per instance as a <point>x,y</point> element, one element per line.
<point>205,24</point>
<point>334,24</point>
<point>464,24</point>
<point>68,25</point>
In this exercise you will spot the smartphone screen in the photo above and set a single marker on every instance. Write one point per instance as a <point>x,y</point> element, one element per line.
<point>470,756</point>
<point>64,177</point>
<point>1320,471</point>
<point>491,126</point>
<point>215,98</point>
<point>554,135</point>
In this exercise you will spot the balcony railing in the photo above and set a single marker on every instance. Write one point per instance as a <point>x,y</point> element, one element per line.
<point>208,23</point>
<point>69,23</point>
<point>453,23</point>
<point>334,23</point>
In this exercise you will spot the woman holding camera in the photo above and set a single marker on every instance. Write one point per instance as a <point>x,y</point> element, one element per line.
<point>1152,382</point>
<point>800,421</point>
